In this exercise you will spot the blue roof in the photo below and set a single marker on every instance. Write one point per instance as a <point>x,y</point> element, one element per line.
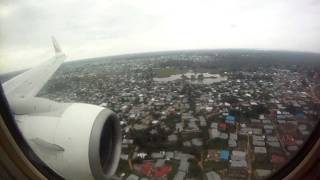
<point>230,119</point>
<point>300,114</point>
<point>224,155</point>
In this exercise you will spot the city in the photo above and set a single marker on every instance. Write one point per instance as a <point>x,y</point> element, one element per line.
<point>198,115</point>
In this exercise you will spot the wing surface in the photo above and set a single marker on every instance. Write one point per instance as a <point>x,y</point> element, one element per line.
<point>29,83</point>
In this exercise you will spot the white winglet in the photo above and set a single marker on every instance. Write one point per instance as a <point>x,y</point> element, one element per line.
<point>56,46</point>
<point>29,83</point>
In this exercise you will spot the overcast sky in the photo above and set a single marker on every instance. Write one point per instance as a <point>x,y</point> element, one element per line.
<point>90,28</point>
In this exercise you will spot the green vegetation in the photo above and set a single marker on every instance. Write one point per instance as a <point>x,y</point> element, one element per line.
<point>262,163</point>
<point>171,122</point>
<point>155,142</point>
<point>212,165</point>
<point>255,111</point>
<point>217,144</point>
<point>194,170</point>
<point>231,129</point>
<point>166,72</point>
<point>215,118</point>
<point>174,164</point>
<point>123,167</point>
<point>126,150</point>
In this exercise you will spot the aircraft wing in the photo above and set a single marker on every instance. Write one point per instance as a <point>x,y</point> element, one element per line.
<point>29,83</point>
<point>77,141</point>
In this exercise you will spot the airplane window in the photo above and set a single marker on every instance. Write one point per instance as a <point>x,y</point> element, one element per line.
<point>162,89</point>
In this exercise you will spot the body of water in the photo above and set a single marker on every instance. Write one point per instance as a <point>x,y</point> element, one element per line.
<point>207,78</point>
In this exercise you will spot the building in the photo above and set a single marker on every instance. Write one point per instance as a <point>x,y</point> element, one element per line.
<point>132,177</point>
<point>197,142</point>
<point>233,136</point>
<point>292,148</point>
<point>222,126</point>
<point>257,138</point>
<point>277,159</point>
<point>256,131</point>
<point>157,155</point>
<point>124,156</point>
<point>274,144</point>
<point>182,156</point>
<point>172,138</point>
<point>159,163</point>
<point>262,173</point>
<point>260,150</point>
<point>214,125</point>
<point>238,164</point>
<point>288,140</point>
<point>211,175</point>
<point>163,171</point>
<point>238,155</point>
<point>214,133</point>
<point>127,141</point>
<point>147,168</point>
<point>203,123</point>
<point>183,166</point>
<point>224,155</point>
<point>267,127</point>
<point>179,176</point>
<point>187,144</point>
<point>258,143</point>
<point>272,138</point>
<point>214,155</point>
<point>238,159</point>
<point>179,127</point>
<point>169,155</point>
<point>223,136</point>
<point>230,119</point>
<point>232,143</point>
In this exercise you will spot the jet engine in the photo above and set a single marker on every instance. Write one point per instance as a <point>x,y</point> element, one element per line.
<point>78,141</point>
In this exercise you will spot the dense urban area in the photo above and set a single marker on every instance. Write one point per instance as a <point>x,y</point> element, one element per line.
<point>200,114</point>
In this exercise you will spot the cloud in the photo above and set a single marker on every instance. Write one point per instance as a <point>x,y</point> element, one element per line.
<point>98,28</point>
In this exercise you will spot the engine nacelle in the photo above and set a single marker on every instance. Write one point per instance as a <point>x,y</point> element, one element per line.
<point>80,141</point>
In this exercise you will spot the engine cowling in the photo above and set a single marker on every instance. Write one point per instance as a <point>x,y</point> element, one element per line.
<point>78,141</point>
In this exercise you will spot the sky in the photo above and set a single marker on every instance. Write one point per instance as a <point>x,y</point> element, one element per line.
<point>94,28</point>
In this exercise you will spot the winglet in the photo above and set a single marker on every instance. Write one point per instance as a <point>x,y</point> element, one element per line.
<point>56,46</point>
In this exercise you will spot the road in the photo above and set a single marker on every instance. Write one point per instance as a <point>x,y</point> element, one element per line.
<point>314,94</point>
<point>276,130</point>
<point>249,158</point>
